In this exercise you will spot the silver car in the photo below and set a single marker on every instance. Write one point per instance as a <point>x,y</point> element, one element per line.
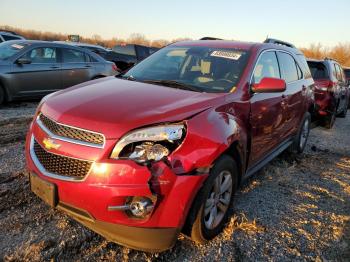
<point>31,69</point>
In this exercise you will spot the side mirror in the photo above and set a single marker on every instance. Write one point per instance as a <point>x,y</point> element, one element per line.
<point>269,85</point>
<point>23,61</point>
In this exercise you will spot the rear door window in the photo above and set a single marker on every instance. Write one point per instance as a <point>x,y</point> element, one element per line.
<point>267,66</point>
<point>288,67</point>
<point>42,55</point>
<point>73,56</point>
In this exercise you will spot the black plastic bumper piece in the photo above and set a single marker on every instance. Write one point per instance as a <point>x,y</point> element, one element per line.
<point>139,238</point>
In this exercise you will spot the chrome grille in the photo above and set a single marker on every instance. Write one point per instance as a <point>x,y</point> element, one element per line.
<point>61,165</point>
<point>71,132</point>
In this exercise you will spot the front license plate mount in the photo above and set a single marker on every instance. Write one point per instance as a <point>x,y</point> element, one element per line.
<point>45,190</point>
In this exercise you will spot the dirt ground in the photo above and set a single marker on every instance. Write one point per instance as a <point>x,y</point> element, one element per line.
<point>296,208</point>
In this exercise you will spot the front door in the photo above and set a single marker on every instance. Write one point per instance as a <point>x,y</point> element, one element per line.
<point>267,110</point>
<point>41,76</point>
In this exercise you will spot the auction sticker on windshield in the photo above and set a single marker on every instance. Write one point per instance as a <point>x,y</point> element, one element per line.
<point>227,54</point>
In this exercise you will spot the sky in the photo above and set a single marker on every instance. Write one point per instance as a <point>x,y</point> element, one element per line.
<point>301,22</point>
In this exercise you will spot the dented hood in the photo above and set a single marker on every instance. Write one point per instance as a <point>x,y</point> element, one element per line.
<point>114,106</point>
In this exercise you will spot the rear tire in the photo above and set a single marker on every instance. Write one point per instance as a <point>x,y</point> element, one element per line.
<point>212,206</point>
<point>300,140</point>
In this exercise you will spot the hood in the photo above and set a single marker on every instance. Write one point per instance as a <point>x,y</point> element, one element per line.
<point>113,106</point>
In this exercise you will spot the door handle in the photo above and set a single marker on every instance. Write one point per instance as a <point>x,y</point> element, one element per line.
<point>88,66</point>
<point>54,67</point>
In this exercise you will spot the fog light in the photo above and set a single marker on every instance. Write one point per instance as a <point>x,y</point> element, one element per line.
<point>141,206</point>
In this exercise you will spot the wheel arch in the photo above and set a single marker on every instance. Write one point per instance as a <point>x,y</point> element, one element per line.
<point>235,151</point>
<point>224,134</point>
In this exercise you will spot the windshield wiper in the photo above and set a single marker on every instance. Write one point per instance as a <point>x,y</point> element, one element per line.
<point>173,83</point>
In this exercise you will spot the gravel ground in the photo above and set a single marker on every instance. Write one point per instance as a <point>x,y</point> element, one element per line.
<point>296,208</point>
<point>18,110</point>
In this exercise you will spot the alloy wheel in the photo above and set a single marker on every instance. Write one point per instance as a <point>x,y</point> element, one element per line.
<point>218,200</point>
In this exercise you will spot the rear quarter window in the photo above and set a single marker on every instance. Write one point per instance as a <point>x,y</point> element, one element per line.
<point>304,65</point>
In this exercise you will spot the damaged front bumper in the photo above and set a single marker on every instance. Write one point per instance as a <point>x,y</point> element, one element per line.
<point>90,200</point>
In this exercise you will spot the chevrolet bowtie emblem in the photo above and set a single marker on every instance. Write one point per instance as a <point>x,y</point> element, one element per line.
<point>50,144</point>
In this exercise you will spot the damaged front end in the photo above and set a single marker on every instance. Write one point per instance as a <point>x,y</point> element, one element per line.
<point>139,189</point>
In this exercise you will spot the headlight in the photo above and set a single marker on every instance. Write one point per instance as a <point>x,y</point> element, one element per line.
<point>149,144</point>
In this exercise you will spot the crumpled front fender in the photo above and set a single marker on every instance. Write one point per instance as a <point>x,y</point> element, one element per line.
<point>209,135</point>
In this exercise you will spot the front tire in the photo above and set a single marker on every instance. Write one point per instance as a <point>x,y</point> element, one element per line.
<point>212,206</point>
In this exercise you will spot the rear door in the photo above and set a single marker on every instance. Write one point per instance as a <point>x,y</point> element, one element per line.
<point>267,110</point>
<point>294,94</point>
<point>76,67</point>
<point>41,76</point>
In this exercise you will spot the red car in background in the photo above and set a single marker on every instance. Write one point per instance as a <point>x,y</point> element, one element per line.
<point>331,90</point>
<point>161,149</point>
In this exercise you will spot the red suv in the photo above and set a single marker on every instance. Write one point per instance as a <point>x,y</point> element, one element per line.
<point>161,149</point>
<point>331,90</point>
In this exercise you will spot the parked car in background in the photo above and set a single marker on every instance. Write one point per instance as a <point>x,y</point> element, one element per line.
<point>100,50</point>
<point>9,35</point>
<point>130,54</point>
<point>163,147</point>
<point>124,56</point>
<point>331,90</point>
<point>36,68</point>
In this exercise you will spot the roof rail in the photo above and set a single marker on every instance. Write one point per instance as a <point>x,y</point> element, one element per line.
<point>210,38</point>
<point>278,42</point>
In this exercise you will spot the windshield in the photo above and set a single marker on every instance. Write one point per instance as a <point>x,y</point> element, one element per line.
<point>8,49</point>
<point>207,69</point>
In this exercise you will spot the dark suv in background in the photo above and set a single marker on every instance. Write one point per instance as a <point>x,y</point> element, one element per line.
<point>35,68</point>
<point>130,54</point>
<point>123,56</point>
<point>331,90</point>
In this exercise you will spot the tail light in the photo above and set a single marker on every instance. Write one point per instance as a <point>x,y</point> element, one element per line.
<point>326,85</point>
<point>331,86</point>
<point>115,68</point>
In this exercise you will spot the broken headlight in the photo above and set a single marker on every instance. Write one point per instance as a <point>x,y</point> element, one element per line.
<point>149,144</point>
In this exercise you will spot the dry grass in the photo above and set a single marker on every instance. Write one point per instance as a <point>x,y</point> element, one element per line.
<point>241,222</point>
